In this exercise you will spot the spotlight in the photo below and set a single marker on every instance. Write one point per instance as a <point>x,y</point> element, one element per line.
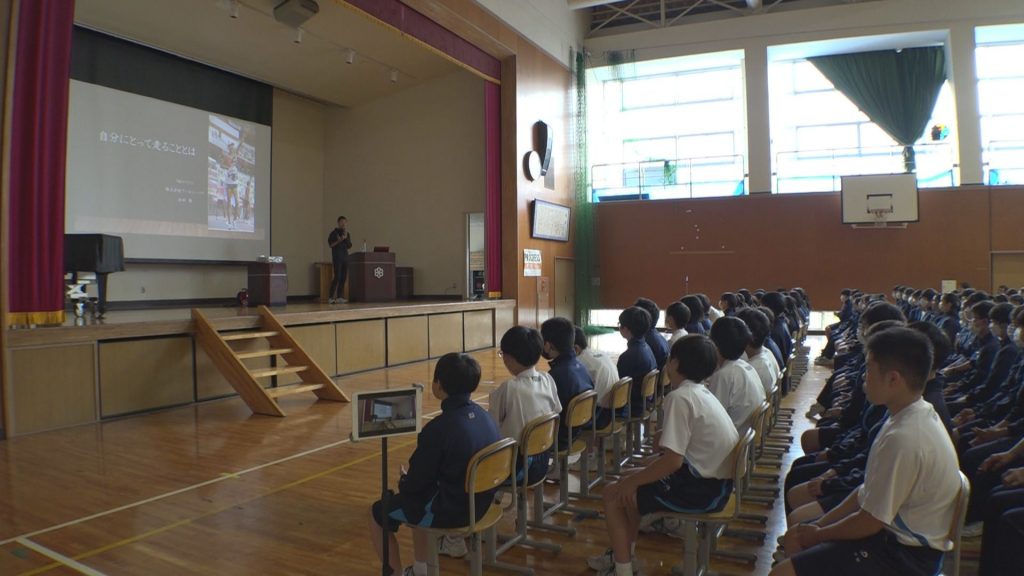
<point>350,56</point>
<point>233,10</point>
<point>394,76</point>
<point>298,36</point>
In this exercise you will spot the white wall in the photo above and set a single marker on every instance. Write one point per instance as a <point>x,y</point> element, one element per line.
<point>296,210</point>
<point>549,24</point>
<point>756,33</point>
<point>405,170</point>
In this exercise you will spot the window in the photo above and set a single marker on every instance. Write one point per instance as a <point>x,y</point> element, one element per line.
<point>1000,66</point>
<point>818,135</point>
<point>672,128</point>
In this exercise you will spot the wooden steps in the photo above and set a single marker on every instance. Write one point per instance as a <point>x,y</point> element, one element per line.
<point>288,356</point>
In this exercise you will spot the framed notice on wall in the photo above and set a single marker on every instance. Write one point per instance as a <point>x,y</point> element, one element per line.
<point>550,221</point>
<point>531,262</point>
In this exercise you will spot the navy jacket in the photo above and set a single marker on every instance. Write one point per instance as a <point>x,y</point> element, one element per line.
<point>659,346</point>
<point>571,380</point>
<point>435,483</point>
<point>636,362</point>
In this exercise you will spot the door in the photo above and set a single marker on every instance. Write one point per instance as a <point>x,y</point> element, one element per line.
<point>1008,269</point>
<point>565,288</point>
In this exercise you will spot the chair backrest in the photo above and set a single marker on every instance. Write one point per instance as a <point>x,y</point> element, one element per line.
<point>759,424</point>
<point>581,409</point>
<point>650,384</point>
<point>538,435</point>
<point>620,393</point>
<point>742,467</point>
<point>490,466</point>
<point>957,527</point>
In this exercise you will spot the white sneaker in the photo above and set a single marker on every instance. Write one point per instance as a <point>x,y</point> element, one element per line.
<point>453,546</point>
<point>604,564</point>
<point>341,301</point>
<point>973,530</point>
<point>331,300</point>
<point>814,410</point>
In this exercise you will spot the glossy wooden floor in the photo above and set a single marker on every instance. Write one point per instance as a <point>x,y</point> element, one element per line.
<point>212,489</point>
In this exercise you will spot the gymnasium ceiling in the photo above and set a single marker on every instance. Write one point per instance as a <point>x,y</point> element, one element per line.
<point>257,46</point>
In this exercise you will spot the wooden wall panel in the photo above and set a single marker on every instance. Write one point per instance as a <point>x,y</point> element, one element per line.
<point>445,333</point>
<point>1007,218</point>
<point>318,341</point>
<point>1008,269</point>
<point>479,326</point>
<point>210,383</point>
<point>360,346</point>
<point>52,388</point>
<point>504,318</point>
<point>664,249</point>
<point>407,339</point>
<point>145,374</point>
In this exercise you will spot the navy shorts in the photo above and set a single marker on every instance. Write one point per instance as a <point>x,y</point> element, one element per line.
<point>877,555</point>
<point>685,492</point>
<point>397,515</point>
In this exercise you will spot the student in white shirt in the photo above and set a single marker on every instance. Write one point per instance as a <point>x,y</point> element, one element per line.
<point>600,365</point>
<point>693,471</point>
<point>677,316</point>
<point>757,355</point>
<point>897,522</point>
<point>528,394</point>
<point>735,383</point>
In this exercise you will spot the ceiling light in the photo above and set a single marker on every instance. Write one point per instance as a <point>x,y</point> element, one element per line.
<point>233,10</point>
<point>298,36</point>
<point>394,76</point>
<point>350,56</point>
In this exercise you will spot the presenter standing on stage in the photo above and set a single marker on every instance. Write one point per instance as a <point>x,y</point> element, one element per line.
<point>340,241</point>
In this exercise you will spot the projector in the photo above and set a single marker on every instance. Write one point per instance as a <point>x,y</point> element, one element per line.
<point>295,12</point>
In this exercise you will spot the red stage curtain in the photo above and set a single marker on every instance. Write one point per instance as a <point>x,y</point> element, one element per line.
<point>37,156</point>
<point>492,212</point>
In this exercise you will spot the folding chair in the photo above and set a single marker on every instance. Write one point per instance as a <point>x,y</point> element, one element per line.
<point>634,435</point>
<point>579,413</point>
<point>956,529</point>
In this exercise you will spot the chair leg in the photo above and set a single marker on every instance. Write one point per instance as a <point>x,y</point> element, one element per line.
<point>433,565</point>
<point>689,565</point>
<point>542,513</point>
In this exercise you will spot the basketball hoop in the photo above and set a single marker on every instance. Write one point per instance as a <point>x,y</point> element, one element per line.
<point>881,219</point>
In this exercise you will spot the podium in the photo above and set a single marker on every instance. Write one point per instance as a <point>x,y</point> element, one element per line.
<point>268,283</point>
<point>371,276</point>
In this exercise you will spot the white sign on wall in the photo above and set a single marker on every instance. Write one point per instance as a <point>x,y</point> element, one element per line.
<point>531,262</point>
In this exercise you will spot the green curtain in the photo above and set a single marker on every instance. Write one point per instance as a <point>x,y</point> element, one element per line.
<point>897,90</point>
<point>585,249</point>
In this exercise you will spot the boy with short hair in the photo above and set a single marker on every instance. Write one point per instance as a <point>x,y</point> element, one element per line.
<point>677,316</point>
<point>638,359</point>
<point>759,357</point>
<point>654,339</point>
<point>694,471</point>
<point>571,378</point>
<point>735,383</point>
<point>432,494</point>
<point>897,521</point>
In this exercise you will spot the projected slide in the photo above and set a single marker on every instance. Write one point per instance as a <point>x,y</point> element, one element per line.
<point>177,183</point>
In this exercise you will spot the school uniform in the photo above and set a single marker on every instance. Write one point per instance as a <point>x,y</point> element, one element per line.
<point>911,485</point>
<point>697,428</point>
<point>659,347</point>
<point>738,387</point>
<point>766,367</point>
<point>635,363</point>
<point>676,336</point>
<point>433,492</point>
<point>571,380</point>
<point>603,373</point>
<point>518,400</point>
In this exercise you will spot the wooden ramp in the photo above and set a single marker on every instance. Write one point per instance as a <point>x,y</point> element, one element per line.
<point>291,359</point>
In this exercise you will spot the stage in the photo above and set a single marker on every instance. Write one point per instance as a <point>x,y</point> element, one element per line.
<point>143,360</point>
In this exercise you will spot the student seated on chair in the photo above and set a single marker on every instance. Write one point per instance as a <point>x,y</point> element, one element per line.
<point>735,383</point>
<point>692,474</point>
<point>756,354</point>
<point>638,359</point>
<point>432,493</point>
<point>897,522</point>
<point>529,394</point>
<point>654,339</point>
<point>677,316</point>
<point>571,378</point>
<point>602,372</point>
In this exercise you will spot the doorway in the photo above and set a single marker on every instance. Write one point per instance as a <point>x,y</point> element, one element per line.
<point>565,288</point>
<point>475,256</point>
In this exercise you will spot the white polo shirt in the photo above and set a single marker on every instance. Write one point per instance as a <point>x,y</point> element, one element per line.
<point>738,387</point>
<point>676,336</point>
<point>912,481</point>
<point>522,398</point>
<point>603,372</point>
<point>766,366</point>
<point>698,428</point>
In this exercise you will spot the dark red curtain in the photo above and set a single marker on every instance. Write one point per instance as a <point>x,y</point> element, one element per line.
<point>492,211</point>
<point>38,144</point>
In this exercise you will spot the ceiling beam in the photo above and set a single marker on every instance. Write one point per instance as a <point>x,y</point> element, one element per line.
<point>583,4</point>
<point>754,4</point>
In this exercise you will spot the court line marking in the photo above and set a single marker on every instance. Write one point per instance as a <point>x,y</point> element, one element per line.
<point>60,558</point>
<point>224,476</point>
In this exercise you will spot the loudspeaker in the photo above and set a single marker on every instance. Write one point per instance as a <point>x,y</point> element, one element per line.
<point>543,140</point>
<point>295,12</point>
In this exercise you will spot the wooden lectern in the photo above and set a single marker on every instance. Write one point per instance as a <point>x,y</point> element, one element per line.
<point>371,276</point>
<point>268,283</point>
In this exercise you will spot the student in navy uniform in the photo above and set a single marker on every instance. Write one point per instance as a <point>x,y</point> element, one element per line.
<point>432,492</point>
<point>696,324</point>
<point>897,522</point>
<point>571,377</point>
<point>654,339</point>
<point>638,359</point>
<point>694,471</point>
<point>780,329</point>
